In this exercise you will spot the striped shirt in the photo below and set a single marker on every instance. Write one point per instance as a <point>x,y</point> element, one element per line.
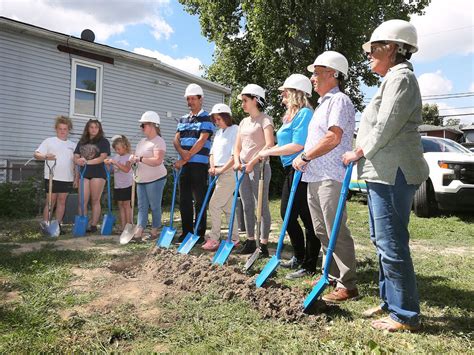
<point>190,128</point>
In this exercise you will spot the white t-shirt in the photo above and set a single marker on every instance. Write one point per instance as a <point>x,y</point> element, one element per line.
<point>64,151</point>
<point>223,145</point>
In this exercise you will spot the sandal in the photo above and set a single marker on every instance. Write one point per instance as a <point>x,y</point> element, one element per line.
<point>372,312</point>
<point>391,325</point>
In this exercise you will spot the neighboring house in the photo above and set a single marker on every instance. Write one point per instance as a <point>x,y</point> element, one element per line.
<point>468,136</point>
<point>44,74</point>
<point>441,132</point>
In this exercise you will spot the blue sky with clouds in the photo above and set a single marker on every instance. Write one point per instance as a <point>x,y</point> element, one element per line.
<point>162,29</point>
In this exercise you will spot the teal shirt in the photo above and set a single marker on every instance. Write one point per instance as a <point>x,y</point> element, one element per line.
<point>295,131</point>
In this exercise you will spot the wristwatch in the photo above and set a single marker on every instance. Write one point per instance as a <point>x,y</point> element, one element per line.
<point>303,158</point>
<point>141,159</point>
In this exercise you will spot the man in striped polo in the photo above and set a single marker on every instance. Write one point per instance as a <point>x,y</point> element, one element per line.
<point>193,143</point>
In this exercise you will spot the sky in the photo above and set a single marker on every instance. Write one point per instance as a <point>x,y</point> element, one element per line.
<point>444,65</point>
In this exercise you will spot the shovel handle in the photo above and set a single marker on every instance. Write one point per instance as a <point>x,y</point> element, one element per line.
<point>238,181</point>
<point>134,186</point>
<point>212,181</point>
<point>50,191</point>
<point>109,202</point>
<point>337,220</point>
<point>261,183</point>
<point>82,187</point>
<point>176,175</point>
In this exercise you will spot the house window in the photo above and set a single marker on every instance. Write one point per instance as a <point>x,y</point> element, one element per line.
<point>86,89</point>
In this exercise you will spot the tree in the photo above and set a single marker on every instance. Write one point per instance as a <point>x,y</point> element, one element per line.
<point>264,41</point>
<point>452,122</point>
<point>430,115</point>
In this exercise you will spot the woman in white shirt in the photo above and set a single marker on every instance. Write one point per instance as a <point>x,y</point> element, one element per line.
<point>61,149</point>
<point>221,161</point>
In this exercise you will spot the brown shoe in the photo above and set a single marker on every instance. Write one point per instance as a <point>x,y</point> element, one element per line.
<point>392,326</point>
<point>340,295</point>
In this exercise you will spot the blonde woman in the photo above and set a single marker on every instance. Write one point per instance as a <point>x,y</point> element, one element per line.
<point>291,138</point>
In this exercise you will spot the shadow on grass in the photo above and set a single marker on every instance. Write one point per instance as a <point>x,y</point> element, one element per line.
<point>434,291</point>
<point>31,262</point>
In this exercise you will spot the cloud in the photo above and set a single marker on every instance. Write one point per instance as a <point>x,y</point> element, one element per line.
<point>471,87</point>
<point>434,84</point>
<point>446,28</point>
<point>190,64</point>
<point>123,42</point>
<point>105,18</point>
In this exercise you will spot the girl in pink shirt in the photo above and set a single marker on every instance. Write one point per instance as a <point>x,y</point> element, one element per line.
<point>122,178</point>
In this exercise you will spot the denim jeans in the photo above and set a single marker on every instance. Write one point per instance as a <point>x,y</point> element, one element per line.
<point>389,214</point>
<point>149,196</point>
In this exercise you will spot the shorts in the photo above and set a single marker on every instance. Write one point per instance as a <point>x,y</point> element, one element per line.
<point>58,186</point>
<point>124,194</point>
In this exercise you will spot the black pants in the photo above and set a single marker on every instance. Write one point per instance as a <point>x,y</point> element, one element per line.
<point>192,190</point>
<point>307,254</point>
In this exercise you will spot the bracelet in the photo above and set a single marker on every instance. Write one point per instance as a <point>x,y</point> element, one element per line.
<point>303,158</point>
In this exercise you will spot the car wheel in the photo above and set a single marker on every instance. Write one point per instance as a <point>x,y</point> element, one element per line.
<point>423,201</point>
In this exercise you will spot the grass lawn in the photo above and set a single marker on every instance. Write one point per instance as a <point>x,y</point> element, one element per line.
<point>45,306</point>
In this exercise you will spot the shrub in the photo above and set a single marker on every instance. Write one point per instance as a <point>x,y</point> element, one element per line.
<point>21,199</point>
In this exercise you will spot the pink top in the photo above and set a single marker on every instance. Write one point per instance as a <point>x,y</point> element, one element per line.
<point>122,179</point>
<point>252,135</point>
<point>146,148</point>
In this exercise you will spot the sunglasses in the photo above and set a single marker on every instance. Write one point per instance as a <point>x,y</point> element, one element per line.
<point>376,46</point>
<point>142,126</point>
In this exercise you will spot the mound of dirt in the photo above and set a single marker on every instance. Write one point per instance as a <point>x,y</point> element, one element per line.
<point>196,274</point>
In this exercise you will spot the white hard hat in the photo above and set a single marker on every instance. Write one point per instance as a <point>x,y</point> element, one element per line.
<point>150,116</point>
<point>398,31</point>
<point>333,60</point>
<point>252,89</point>
<point>298,82</point>
<point>220,108</point>
<point>193,90</point>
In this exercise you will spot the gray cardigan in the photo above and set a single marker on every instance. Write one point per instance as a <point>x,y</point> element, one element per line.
<point>388,132</point>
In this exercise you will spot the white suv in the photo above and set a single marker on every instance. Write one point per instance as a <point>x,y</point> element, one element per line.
<point>450,186</point>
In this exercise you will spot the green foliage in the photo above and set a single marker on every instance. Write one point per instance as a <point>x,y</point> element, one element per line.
<point>20,199</point>
<point>452,122</point>
<point>264,41</point>
<point>430,115</point>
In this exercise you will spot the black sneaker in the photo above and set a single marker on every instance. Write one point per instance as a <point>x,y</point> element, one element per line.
<point>293,263</point>
<point>200,240</point>
<point>92,229</point>
<point>248,247</point>
<point>61,231</point>
<point>180,239</point>
<point>298,274</point>
<point>264,251</point>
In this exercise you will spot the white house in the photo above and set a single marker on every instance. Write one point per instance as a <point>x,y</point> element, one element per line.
<point>44,74</point>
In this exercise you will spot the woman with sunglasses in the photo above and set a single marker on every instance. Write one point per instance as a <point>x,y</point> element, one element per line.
<point>390,159</point>
<point>150,174</point>
<point>91,151</point>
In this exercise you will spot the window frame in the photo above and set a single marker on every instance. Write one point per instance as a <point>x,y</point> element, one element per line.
<point>98,92</point>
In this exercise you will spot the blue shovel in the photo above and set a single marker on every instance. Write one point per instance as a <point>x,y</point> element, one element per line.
<point>81,221</point>
<point>274,262</point>
<point>226,246</point>
<point>324,281</point>
<point>109,219</point>
<point>168,233</point>
<point>191,239</point>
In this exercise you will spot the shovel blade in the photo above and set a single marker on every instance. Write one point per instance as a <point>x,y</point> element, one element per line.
<point>315,293</point>
<point>80,226</point>
<point>267,271</point>
<point>166,237</point>
<point>52,229</point>
<point>225,248</point>
<point>188,243</point>
<point>252,259</point>
<point>127,234</point>
<point>107,224</point>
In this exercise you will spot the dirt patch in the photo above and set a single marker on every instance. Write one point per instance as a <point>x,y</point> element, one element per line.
<point>144,280</point>
<point>196,274</point>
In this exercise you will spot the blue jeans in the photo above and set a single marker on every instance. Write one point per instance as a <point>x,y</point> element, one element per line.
<point>150,195</point>
<point>389,214</point>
